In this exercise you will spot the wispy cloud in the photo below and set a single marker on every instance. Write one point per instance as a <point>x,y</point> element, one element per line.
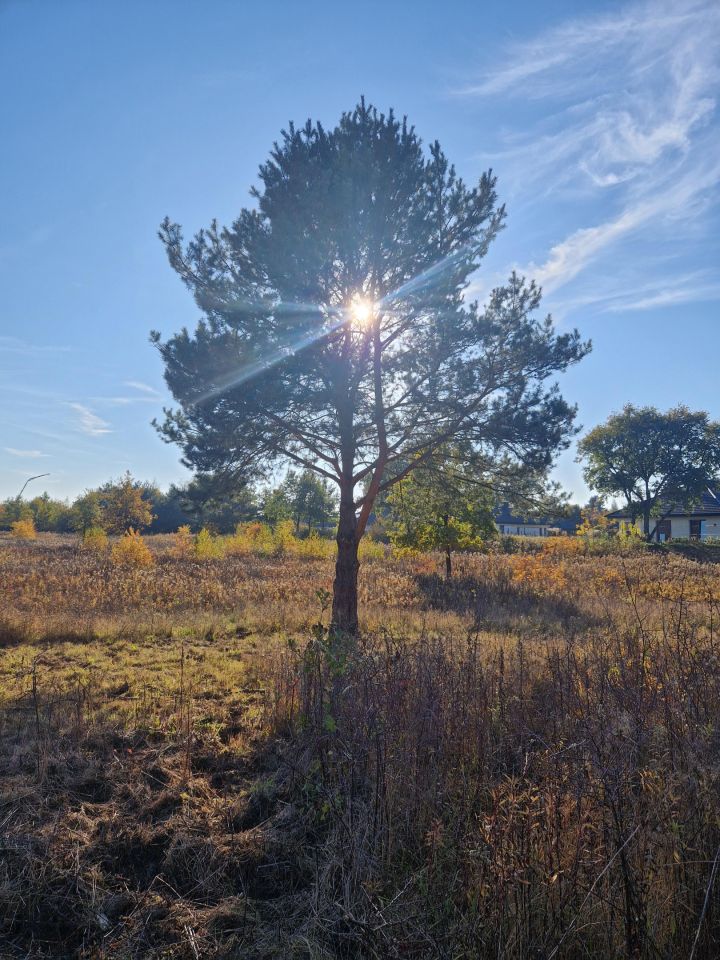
<point>629,127</point>
<point>691,289</point>
<point>25,454</point>
<point>621,295</point>
<point>144,394</point>
<point>90,422</point>
<point>16,345</point>
<point>123,401</point>
<point>535,67</point>
<point>142,387</point>
<point>569,257</point>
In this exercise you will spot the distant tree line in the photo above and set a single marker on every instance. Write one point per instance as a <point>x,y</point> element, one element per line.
<point>206,501</point>
<point>651,461</point>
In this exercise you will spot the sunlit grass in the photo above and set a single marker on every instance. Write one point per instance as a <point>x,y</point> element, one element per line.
<point>501,759</point>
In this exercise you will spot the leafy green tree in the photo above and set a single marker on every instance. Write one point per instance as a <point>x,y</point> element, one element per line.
<point>277,504</point>
<point>124,505</point>
<point>654,460</point>
<point>336,335</point>
<point>49,514</point>
<point>218,502</point>
<point>314,503</point>
<point>87,512</point>
<point>303,498</point>
<point>169,510</point>
<point>595,504</point>
<point>438,507</point>
<point>14,509</point>
<point>526,492</point>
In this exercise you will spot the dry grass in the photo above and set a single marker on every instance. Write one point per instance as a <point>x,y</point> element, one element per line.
<point>520,764</point>
<point>55,587</point>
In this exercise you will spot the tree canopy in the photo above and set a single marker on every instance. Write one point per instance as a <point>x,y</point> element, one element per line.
<point>654,460</point>
<point>303,498</point>
<point>336,330</point>
<point>124,505</point>
<point>440,507</point>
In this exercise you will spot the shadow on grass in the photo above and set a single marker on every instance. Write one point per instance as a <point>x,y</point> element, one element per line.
<point>490,602</point>
<point>14,634</point>
<point>691,549</point>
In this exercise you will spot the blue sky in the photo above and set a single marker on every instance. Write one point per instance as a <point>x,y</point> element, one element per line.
<point>600,120</point>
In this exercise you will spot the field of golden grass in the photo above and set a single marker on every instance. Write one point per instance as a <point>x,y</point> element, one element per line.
<point>521,763</point>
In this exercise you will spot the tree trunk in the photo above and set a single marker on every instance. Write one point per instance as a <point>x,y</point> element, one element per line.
<point>646,521</point>
<point>448,557</point>
<point>345,595</point>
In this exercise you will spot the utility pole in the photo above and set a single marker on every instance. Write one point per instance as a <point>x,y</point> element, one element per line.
<point>36,477</point>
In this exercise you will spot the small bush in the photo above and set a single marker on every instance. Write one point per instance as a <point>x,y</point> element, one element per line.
<point>95,540</point>
<point>132,551</point>
<point>183,543</point>
<point>564,546</point>
<point>208,547</point>
<point>371,550</point>
<point>24,529</point>
<point>262,540</point>
<point>284,537</point>
<point>252,537</point>
<point>314,547</point>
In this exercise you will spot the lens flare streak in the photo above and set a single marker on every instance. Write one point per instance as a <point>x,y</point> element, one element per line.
<point>360,310</point>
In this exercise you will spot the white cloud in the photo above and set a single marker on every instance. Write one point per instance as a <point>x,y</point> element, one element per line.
<point>16,345</point>
<point>569,257</point>
<point>114,401</point>
<point>144,394</point>
<point>620,294</point>
<point>668,297</point>
<point>90,422</point>
<point>630,127</point>
<point>25,454</point>
<point>537,67</point>
<point>142,387</point>
<point>123,401</point>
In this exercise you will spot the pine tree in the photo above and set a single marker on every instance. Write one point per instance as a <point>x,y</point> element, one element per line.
<point>336,335</point>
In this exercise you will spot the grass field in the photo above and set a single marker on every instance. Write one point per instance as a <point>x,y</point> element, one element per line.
<point>522,763</point>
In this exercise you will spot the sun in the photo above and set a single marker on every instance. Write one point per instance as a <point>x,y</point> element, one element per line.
<point>362,310</point>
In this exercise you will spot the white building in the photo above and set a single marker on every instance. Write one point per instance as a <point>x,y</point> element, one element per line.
<point>701,521</point>
<point>510,525</point>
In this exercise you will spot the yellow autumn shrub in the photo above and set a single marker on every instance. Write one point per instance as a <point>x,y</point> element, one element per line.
<point>371,549</point>
<point>208,547</point>
<point>254,537</point>
<point>284,537</point>
<point>183,543</point>
<point>131,551</point>
<point>564,546</point>
<point>314,547</point>
<point>24,529</point>
<point>94,540</point>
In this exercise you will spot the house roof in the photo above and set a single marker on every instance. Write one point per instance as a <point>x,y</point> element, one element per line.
<point>707,506</point>
<point>505,516</point>
<point>568,524</point>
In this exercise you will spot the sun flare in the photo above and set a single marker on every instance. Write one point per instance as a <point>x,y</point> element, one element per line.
<point>362,310</point>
